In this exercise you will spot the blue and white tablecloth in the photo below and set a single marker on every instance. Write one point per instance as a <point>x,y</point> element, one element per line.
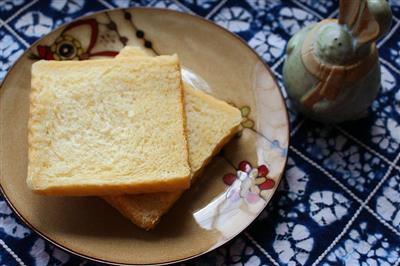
<point>339,202</point>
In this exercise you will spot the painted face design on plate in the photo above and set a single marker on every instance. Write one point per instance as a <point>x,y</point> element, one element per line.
<point>67,45</point>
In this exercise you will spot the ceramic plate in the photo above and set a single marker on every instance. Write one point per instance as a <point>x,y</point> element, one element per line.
<point>236,185</point>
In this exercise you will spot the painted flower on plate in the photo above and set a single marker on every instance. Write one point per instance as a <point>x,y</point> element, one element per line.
<point>249,183</point>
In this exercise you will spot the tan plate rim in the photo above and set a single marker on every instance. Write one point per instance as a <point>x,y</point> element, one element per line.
<point>204,20</point>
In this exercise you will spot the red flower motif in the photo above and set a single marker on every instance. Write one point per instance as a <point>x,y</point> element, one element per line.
<point>244,166</point>
<point>253,181</point>
<point>268,184</point>
<point>229,179</point>
<point>263,170</point>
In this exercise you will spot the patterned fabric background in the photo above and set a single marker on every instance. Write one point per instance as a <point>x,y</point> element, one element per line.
<point>339,202</point>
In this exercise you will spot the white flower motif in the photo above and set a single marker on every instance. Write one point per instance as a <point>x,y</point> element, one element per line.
<point>6,5</point>
<point>321,5</point>
<point>293,19</point>
<point>395,54</point>
<point>292,191</point>
<point>130,3</point>
<point>259,5</point>
<point>365,249</point>
<point>320,148</point>
<point>34,24</point>
<point>354,165</point>
<point>64,20</point>
<point>253,261</point>
<point>388,80</point>
<point>248,189</point>
<point>379,134</point>
<point>67,6</point>
<point>387,205</point>
<point>397,97</point>
<point>12,228</point>
<point>10,50</point>
<point>296,180</point>
<point>250,184</point>
<point>123,3</point>
<point>394,129</point>
<point>327,207</point>
<point>167,4</point>
<point>202,3</point>
<point>293,243</point>
<point>4,209</point>
<point>39,253</point>
<point>270,46</point>
<point>245,187</point>
<point>386,130</point>
<point>235,19</point>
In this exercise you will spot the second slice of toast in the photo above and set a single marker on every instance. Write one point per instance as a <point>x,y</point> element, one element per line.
<point>211,123</point>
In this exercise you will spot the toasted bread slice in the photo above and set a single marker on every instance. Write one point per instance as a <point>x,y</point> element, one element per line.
<point>102,127</point>
<point>211,123</point>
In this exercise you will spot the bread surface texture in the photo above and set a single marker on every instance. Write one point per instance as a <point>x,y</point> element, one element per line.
<point>211,123</point>
<point>103,127</point>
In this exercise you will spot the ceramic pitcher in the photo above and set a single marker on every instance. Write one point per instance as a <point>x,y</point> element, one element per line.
<point>332,71</point>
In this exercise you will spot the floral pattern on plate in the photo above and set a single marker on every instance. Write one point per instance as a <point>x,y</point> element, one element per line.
<point>249,183</point>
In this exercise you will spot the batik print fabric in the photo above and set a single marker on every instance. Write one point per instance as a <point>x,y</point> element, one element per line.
<point>339,202</point>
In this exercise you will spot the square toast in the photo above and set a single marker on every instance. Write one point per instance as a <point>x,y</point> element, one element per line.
<point>104,127</point>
